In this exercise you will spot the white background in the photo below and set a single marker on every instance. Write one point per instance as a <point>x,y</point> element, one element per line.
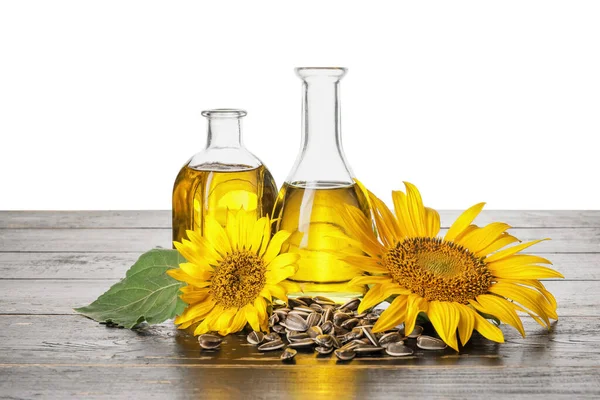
<point>470,100</point>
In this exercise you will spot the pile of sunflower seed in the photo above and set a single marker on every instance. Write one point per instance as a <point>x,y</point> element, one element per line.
<point>318,323</point>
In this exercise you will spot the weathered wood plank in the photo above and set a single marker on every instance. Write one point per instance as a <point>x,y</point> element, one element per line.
<point>54,340</point>
<point>564,240</point>
<point>296,382</point>
<point>162,218</point>
<point>575,298</point>
<point>113,265</point>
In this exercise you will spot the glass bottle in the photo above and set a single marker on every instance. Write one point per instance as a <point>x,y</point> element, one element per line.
<point>320,181</point>
<point>223,176</point>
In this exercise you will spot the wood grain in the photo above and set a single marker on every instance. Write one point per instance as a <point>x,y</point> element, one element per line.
<point>52,261</point>
<point>66,265</point>
<point>110,381</point>
<point>74,339</point>
<point>162,218</point>
<point>564,240</point>
<point>60,296</point>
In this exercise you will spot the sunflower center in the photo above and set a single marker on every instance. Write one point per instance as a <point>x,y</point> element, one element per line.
<point>438,270</point>
<point>238,279</point>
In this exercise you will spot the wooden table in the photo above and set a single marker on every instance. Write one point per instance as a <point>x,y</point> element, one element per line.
<point>51,262</point>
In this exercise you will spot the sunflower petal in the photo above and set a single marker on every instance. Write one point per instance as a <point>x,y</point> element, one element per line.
<point>278,291</point>
<point>525,272</point>
<point>274,246</point>
<point>466,323</point>
<point>432,218</point>
<point>415,305</point>
<point>279,274</point>
<point>260,233</point>
<point>503,241</point>
<point>370,279</point>
<point>511,250</point>
<point>367,264</point>
<point>252,317</point>
<point>463,221</point>
<point>238,323</point>
<point>416,209</point>
<point>392,316</point>
<point>374,296</point>
<point>500,308</point>
<point>216,236</point>
<point>487,329</point>
<point>444,317</point>
<point>482,238</point>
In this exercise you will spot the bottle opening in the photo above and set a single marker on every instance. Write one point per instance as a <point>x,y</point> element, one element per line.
<point>224,113</point>
<point>307,72</point>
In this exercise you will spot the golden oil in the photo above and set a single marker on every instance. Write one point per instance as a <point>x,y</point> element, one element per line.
<point>311,212</point>
<point>213,188</point>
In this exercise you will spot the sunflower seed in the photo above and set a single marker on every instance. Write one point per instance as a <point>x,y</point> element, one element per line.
<point>327,315</point>
<point>398,350</point>
<point>281,312</point>
<point>314,331</point>
<point>255,337</point>
<point>296,303</point>
<point>368,349</point>
<point>295,323</point>
<point>323,301</point>
<point>324,340</point>
<point>279,328</point>
<point>313,319</point>
<point>294,336</point>
<point>370,335</point>
<point>288,354</point>
<point>335,341</point>
<point>355,333</point>
<point>302,314</point>
<point>351,305</point>
<point>302,343</point>
<point>371,317</point>
<point>349,323</point>
<point>416,332</point>
<point>345,355</point>
<point>271,336</point>
<point>327,327</point>
<point>273,345</point>
<point>209,342</point>
<point>307,310</point>
<point>273,319</point>
<point>430,343</point>
<point>305,299</point>
<point>352,345</point>
<point>323,350</point>
<point>340,317</point>
<point>317,307</point>
<point>391,337</point>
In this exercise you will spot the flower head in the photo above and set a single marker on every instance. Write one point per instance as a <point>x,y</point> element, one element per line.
<point>454,280</point>
<point>232,272</point>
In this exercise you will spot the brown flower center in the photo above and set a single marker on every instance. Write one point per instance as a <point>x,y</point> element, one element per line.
<point>438,270</point>
<point>238,279</point>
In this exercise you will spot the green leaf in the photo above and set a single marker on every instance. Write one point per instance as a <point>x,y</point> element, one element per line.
<point>146,293</point>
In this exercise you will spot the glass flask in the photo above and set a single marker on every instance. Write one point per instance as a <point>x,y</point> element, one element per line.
<point>224,176</point>
<point>320,181</point>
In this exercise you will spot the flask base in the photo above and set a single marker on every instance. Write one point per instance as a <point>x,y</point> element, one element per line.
<point>340,292</point>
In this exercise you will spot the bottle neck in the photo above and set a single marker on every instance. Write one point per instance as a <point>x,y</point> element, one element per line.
<point>321,116</point>
<point>224,132</point>
<point>321,160</point>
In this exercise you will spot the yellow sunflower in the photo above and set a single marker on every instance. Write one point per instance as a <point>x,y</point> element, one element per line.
<point>454,280</point>
<point>232,274</point>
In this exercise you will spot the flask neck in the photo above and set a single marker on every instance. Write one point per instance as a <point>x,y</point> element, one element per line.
<point>322,157</point>
<point>321,115</point>
<point>224,128</point>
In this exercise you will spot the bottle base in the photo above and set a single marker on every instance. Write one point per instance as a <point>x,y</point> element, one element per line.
<point>340,292</point>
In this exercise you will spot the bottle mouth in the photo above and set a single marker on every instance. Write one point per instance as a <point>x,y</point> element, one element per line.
<point>224,113</point>
<point>332,72</point>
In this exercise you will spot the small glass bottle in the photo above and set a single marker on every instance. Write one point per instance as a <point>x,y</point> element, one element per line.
<point>320,181</point>
<point>224,176</point>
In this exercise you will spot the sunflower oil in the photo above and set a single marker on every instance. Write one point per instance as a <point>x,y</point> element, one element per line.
<point>214,188</point>
<point>311,212</point>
